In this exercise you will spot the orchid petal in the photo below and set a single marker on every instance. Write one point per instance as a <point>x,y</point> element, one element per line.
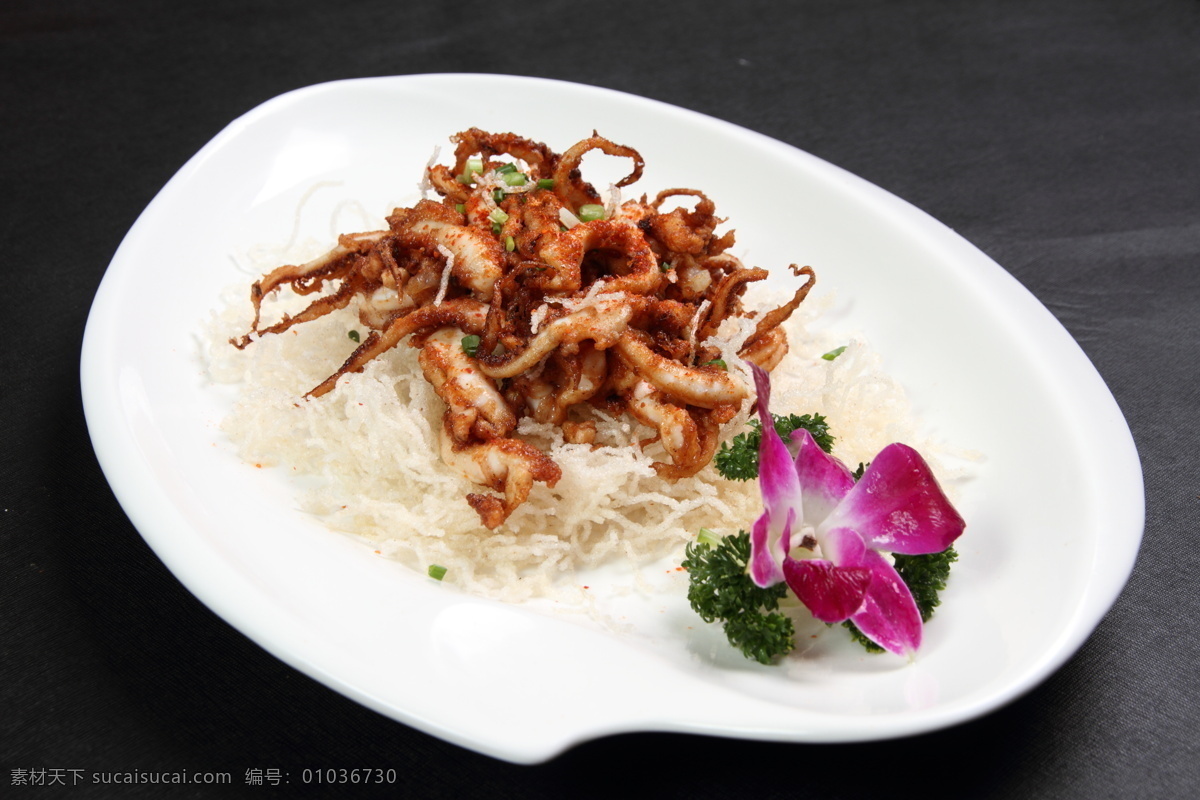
<point>824,480</point>
<point>898,506</point>
<point>889,615</point>
<point>776,473</point>
<point>844,547</point>
<point>769,545</point>
<point>832,593</point>
<point>781,495</point>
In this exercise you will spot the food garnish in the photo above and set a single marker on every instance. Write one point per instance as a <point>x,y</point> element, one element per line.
<point>719,590</point>
<point>824,536</point>
<point>738,458</point>
<point>925,576</point>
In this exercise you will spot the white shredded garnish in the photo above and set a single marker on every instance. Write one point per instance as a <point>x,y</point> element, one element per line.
<point>693,326</point>
<point>361,219</point>
<point>445,283</point>
<point>425,186</point>
<point>267,254</point>
<point>614,201</point>
<point>492,181</point>
<point>595,296</point>
<point>539,314</point>
<point>594,291</point>
<point>487,182</point>
<point>568,219</point>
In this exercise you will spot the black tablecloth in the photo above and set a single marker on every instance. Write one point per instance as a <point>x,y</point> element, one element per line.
<point>1062,138</point>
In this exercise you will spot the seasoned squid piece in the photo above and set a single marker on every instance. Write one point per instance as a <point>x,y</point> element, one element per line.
<point>564,254</point>
<point>677,430</point>
<point>602,324</point>
<point>683,231</point>
<point>767,350</point>
<point>539,218</point>
<point>769,323</point>
<point>539,158</point>
<point>343,263</point>
<point>510,466</point>
<point>708,425</point>
<point>568,184</point>
<point>706,387</point>
<point>568,380</point>
<point>689,435</point>
<point>724,297</point>
<point>465,313</point>
<point>477,258</point>
<point>476,407</point>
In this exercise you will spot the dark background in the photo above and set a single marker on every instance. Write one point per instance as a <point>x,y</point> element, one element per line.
<point>1062,138</point>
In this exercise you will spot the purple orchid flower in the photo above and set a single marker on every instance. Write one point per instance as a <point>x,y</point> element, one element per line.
<point>896,507</point>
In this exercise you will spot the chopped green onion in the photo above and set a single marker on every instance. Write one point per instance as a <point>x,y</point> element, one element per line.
<point>498,195</point>
<point>545,183</point>
<point>590,212</point>
<point>708,537</point>
<point>510,244</point>
<point>470,345</point>
<point>498,218</point>
<point>515,179</point>
<point>665,266</point>
<point>834,353</point>
<point>437,571</point>
<point>504,169</point>
<point>460,208</point>
<point>474,165</point>
<point>716,362</point>
<point>353,336</point>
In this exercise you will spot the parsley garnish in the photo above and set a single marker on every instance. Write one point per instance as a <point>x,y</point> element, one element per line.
<point>738,459</point>
<point>720,589</point>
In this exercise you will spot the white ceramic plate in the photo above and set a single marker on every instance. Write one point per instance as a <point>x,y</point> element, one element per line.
<point>1055,514</point>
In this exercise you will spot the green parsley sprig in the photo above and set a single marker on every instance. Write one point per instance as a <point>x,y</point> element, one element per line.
<point>738,459</point>
<point>720,589</point>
